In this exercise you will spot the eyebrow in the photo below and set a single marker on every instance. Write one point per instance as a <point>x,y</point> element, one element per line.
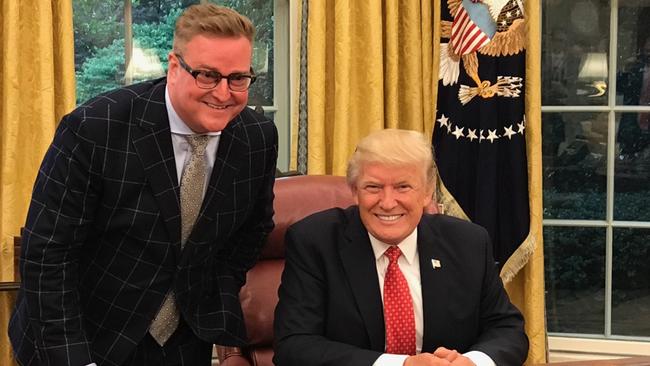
<point>203,67</point>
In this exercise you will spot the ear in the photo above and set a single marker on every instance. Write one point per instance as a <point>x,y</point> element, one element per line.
<point>428,196</point>
<point>432,205</point>
<point>355,194</point>
<point>172,64</point>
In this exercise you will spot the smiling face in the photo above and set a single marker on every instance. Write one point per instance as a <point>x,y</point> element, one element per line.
<point>209,110</point>
<point>391,199</point>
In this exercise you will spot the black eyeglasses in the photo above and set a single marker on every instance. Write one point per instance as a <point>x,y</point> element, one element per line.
<point>208,79</point>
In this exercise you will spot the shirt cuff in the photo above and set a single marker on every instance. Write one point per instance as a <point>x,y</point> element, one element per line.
<point>479,358</point>
<point>92,364</point>
<point>388,359</point>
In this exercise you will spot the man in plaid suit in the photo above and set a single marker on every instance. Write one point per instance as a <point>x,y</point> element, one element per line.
<point>103,247</point>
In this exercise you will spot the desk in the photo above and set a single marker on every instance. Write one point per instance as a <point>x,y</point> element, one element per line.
<point>631,361</point>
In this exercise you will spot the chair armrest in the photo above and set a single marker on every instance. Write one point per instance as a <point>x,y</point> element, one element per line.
<point>231,356</point>
<point>235,360</point>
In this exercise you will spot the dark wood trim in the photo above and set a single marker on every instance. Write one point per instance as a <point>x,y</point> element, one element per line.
<point>17,258</point>
<point>630,361</point>
<point>9,286</point>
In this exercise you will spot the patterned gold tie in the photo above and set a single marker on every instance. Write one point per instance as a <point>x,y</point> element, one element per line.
<point>192,182</point>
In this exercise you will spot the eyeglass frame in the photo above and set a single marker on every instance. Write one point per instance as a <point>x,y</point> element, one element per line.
<point>216,75</point>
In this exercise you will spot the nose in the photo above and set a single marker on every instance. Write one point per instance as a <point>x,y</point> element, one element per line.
<point>221,92</point>
<point>387,200</point>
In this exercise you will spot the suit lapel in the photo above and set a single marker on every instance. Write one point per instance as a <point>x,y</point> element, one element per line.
<point>360,267</point>
<point>152,140</point>
<point>433,282</point>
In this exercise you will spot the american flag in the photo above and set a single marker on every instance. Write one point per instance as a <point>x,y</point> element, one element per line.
<point>472,28</point>
<point>480,145</point>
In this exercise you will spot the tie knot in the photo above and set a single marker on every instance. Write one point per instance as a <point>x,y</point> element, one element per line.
<point>198,143</point>
<point>393,253</point>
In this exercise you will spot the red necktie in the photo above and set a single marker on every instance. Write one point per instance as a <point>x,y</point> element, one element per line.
<point>398,308</point>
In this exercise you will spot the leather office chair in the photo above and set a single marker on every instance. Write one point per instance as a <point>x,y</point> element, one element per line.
<point>295,198</point>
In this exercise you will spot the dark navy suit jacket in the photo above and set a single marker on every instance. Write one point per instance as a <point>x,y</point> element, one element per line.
<point>330,308</point>
<point>101,245</point>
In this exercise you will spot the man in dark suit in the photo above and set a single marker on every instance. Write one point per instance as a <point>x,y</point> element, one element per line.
<point>382,283</point>
<point>150,205</point>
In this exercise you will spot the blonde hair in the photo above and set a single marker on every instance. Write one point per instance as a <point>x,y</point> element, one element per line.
<point>212,20</point>
<point>393,147</point>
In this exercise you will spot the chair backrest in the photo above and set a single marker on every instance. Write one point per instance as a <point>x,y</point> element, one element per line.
<point>295,198</point>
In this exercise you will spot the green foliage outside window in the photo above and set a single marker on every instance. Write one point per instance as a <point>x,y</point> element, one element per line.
<point>99,40</point>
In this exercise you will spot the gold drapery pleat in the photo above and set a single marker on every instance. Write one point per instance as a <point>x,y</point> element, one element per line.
<point>526,290</point>
<point>370,66</point>
<point>37,88</point>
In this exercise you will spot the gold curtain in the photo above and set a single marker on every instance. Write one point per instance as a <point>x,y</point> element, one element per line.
<point>527,288</point>
<point>37,76</point>
<point>370,66</point>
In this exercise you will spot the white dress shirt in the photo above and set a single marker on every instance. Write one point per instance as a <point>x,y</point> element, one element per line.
<point>182,150</point>
<point>409,263</point>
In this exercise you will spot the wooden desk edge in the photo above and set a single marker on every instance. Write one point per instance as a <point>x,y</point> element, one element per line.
<point>628,361</point>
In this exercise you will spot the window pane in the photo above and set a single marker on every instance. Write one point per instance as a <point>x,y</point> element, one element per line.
<point>632,169</point>
<point>575,40</point>
<point>100,56</point>
<point>574,159</point>
<point>633,50</point>
<point>99,46</point>
<point>153,24</point>
<point>575,279</point>
<point>631,283</point>
<point>260,13</point>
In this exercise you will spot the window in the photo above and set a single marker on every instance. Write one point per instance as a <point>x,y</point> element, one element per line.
<point>119,42</point>
<point>596,167</point>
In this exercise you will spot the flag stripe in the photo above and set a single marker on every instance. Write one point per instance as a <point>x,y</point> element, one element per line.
<point>466,36</point>
<point>462,17</point>
<point>475,43</point>
<point>470,39</point>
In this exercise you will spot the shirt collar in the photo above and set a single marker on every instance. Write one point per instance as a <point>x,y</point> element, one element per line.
<point>176,124</point>
<point>408,246</point>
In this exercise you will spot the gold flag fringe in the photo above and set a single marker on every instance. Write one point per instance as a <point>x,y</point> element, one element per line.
<point>516,261</point>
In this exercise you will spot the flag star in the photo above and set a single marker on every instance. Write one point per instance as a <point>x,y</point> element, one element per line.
<point>480,136</point>
<point>509,132</point>
<point>471,134</point>
<point>509,14</point>
<point>504,22</point>
<point>522,127</point>
<point>443,120</point>
<point>492,135</point>
<point>458,132</point>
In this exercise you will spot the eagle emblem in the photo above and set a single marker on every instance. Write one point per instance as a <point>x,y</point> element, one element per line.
<point>489,27</point>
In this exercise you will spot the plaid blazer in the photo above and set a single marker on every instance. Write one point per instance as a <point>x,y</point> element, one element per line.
<point>101,245</point>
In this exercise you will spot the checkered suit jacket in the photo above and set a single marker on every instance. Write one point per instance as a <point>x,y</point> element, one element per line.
<point>101,244</point>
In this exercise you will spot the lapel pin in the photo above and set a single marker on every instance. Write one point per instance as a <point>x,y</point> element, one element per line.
<point>435,264</point>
